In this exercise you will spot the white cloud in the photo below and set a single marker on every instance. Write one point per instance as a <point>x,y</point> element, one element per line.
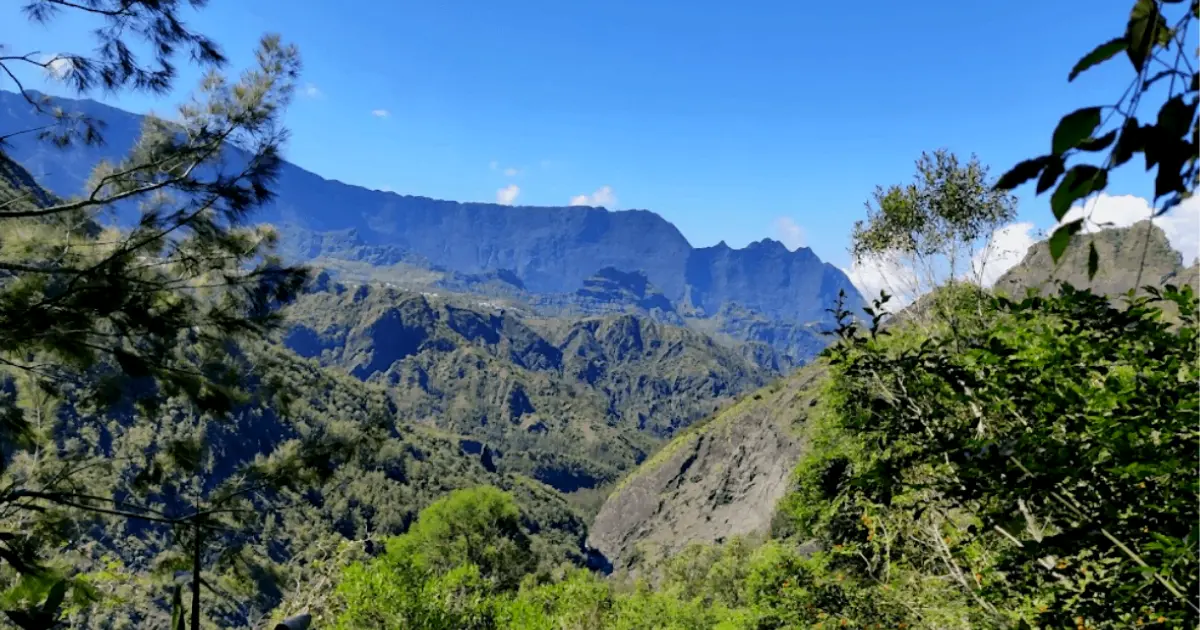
<point>890,273</point>
<point>509,171</point>
<point>790,233</point>
<point>380,113</point>
<point>603,197</point>
<point>312,91</point>
<point>1003,251</point>
<point>507,195</point>
<point>58,67</point>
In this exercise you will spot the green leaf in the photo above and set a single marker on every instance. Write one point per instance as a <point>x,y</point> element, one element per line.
<point>131,364</point>
<point>1079,182</point>
<point>1074,128</point>
<point>1175,116</point>
<point>1093,260</point>
<point>1062,237</point>
<point>1099,55</point>
<point>1168,179</point>
<point>1131,141</point>
<point>1098,144</point>
<point>1142,31</point>
<point>55,598</point>
<point>1021,173</point>
<point>187,454</point>
<point>1054,170</point>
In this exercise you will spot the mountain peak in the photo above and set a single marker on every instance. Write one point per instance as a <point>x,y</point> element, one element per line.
<point>768,244</point>
<point>1130,257</point>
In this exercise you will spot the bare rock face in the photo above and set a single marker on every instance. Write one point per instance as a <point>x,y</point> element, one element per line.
<point>1129,258</point>
<point>720,480</point>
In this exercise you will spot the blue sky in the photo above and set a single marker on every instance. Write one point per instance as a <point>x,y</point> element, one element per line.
<point>722,117</point>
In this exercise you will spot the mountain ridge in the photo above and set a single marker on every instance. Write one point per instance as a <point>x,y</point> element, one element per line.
<point>552,249</point>
<point>570,401</point>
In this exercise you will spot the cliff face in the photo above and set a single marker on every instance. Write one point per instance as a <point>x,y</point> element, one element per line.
<point>766,277</point>
<point>720,480</point>
<point>549,249</point>
<point>1130,257</point>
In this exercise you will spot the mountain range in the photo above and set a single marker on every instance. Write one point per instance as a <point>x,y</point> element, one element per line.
<point>419,394</point>
<point>551,250</point>
<point>572,401</point>
<point>630,390</point>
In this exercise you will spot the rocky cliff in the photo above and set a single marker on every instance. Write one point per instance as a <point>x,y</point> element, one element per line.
<point>1128,257</point>
<point>549,249</point>
<point>721,479</point>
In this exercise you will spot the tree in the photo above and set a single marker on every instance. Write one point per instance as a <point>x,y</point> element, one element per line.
<point>1041,467</point>
<point>1155,45</point>
<point>463,555</point>
<point>479,526</point>
<point>115,65</point>
<point>935,229</point>
<point>109,318</point>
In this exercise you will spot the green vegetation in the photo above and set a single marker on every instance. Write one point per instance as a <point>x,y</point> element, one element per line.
<point>738,585</point>
<point>181,413</point>
<point>921,494</point>
<point>978,462</point>
<point>1041,462</point>
<point>145,323</point>
<point>573,402</point>
<point>933,226</point>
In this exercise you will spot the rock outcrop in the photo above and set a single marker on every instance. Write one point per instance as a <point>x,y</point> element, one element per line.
<point>1129,257</point>
<point>722,479</point>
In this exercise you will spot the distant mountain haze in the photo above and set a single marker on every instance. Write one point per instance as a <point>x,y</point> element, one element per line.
<point>549,249</point>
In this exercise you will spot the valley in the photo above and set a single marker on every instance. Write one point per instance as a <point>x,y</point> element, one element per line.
<point>236,392</point>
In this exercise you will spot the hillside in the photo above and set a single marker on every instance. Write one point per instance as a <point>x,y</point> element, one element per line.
<point>717,481</point>
<point>724,478</point>
<point>374,490</point>
<point>550,249</point>
<point>359,472</point>
<point>572,402</point>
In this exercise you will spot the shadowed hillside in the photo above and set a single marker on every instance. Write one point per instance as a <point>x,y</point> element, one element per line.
<point>573,402</point>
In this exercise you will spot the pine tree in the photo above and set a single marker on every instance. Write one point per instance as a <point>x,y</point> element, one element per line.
<point>97,319</point>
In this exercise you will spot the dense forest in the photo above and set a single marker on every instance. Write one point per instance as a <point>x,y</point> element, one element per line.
<point>198,432</point>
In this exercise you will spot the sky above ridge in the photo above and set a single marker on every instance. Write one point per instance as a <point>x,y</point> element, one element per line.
<point>735,121</point>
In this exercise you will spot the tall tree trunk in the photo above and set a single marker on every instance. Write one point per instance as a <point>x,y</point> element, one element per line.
<point>196,577</point>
